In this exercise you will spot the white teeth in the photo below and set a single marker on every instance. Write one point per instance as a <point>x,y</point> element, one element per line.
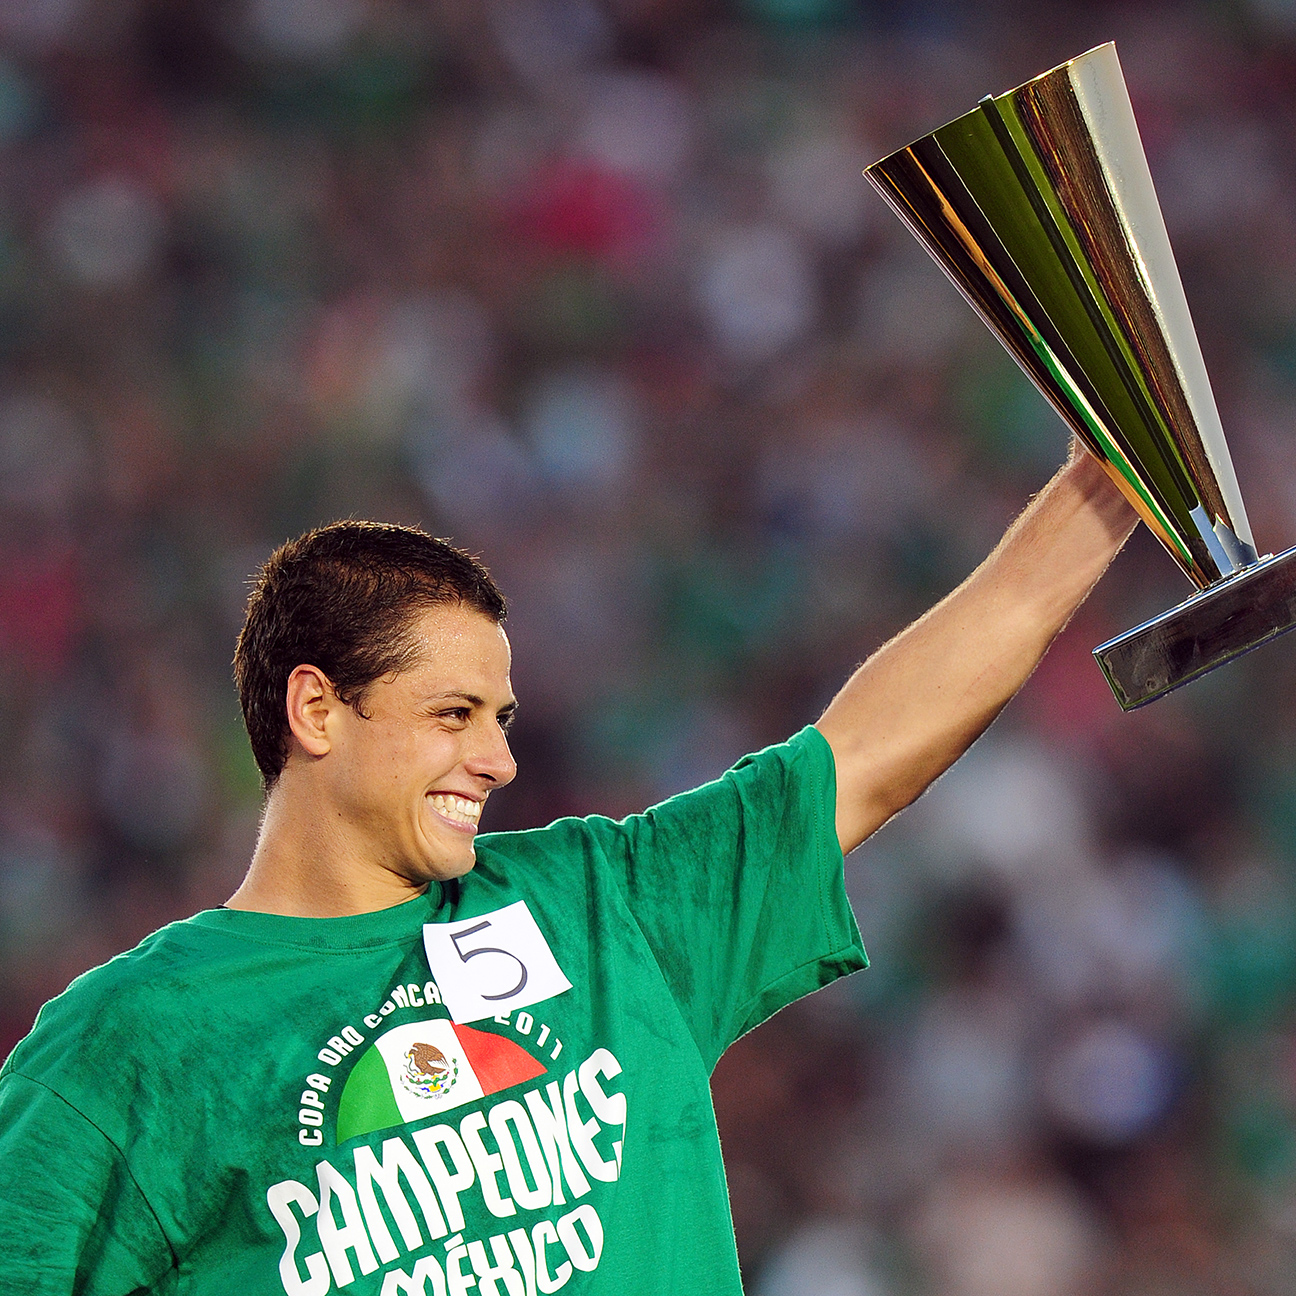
<point>458,808</point>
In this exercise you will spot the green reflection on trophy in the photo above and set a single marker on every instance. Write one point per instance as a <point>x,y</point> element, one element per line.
<point>1040,208</point>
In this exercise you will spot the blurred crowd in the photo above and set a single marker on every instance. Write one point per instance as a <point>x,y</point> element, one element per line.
<point>596,289</point>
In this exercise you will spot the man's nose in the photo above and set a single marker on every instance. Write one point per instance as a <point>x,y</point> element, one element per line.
<point>492,759</point>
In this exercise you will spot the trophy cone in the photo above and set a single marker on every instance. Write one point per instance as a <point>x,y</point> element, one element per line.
<point>1040,208</point>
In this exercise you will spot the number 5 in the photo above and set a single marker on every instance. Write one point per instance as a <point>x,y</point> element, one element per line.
<point>465,955</point>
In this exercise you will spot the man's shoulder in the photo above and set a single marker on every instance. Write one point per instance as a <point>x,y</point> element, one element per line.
<point>567,835</point>
<point>565,853</point>
<point>806,751</point>
<point>130,993</point>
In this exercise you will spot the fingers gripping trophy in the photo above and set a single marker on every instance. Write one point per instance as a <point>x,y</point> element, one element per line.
<point>1039,206</point>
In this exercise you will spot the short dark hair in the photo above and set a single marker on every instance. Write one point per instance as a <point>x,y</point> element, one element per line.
<point>343,598</point>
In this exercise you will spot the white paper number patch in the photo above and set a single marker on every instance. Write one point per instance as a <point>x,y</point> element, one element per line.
<point>493,963</point>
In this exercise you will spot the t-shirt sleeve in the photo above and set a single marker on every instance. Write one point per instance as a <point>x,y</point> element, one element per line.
<point>738,889</point>
<point>74,1221</point>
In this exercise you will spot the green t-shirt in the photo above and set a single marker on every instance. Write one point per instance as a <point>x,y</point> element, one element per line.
<point>497,1089</point>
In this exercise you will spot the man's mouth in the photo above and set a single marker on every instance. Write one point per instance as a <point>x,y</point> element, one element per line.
<point>463,812</point>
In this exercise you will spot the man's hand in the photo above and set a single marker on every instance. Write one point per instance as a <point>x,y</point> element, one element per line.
<point>922,699</point>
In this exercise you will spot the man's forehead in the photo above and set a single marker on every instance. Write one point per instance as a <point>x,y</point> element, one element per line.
<point>441,617</point>
<point>460,651</point>
<point>453,627</point>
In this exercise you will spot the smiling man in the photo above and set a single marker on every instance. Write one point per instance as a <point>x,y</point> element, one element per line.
<point>409,1060</point>
<point>379,731</point>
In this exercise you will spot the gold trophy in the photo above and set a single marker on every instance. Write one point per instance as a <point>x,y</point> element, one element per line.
<point>1040,208</point>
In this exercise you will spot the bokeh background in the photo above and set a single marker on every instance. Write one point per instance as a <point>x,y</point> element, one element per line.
<point>595,289</point>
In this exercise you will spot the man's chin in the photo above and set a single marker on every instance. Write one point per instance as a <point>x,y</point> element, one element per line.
<point>448,868</point>
<point>458,871</point>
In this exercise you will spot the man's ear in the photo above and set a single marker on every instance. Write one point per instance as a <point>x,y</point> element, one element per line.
<point>310,699</point>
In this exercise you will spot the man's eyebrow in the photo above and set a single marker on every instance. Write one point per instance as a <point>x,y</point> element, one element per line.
<point>456,694</point>
<point>472,699</point>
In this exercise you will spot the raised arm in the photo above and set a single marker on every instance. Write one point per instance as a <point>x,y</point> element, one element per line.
<point>920,701</point>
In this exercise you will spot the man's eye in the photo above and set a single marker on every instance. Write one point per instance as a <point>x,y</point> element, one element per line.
<point>456,713</point>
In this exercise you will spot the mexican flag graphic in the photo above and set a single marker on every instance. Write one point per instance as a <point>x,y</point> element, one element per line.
<point>422,1069</point>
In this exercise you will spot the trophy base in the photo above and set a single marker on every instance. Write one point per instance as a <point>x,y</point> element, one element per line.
<point>1214,626</point>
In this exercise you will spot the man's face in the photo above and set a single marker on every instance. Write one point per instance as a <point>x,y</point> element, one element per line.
<point>410,777</point>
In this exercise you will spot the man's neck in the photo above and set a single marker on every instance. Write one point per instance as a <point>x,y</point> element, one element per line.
<point>307,866</point>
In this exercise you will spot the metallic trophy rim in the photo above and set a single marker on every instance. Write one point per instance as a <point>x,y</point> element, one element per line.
<point>1039,206</point>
